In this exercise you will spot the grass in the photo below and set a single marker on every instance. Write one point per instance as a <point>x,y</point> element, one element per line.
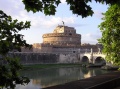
<point>41,66</point>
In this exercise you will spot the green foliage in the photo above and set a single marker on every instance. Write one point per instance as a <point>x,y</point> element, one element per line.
<point>110,29</point>
<point>10,40</point>
<point>9,37</point>
<point>111,2</point>
<point>9,75</point>
<point>78,7</point>
<point>48,6</point>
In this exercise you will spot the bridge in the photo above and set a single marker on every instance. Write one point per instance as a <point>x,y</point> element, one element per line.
<point>78,57</point>
<point>92,57</point>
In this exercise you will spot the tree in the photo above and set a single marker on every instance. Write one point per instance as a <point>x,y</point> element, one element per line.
<point>10,39</point>
<point>110,29</point>
<point>78,7</point>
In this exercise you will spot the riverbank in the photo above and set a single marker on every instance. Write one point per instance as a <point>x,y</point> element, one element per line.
<point>104,81</point>
<point>42,66</point>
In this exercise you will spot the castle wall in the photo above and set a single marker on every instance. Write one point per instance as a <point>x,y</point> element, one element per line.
<point>43,50</point>
<point>68,58</point>
<point>62,38</point>
<point>64,29</point>
<point>44,58</point>
<point>24,49</point>
<point>65,50</point>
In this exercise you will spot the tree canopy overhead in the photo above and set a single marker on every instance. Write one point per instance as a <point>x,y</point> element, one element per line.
<point>78,7</point>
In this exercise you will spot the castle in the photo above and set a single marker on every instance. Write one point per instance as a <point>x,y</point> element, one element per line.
<point>64,39</point>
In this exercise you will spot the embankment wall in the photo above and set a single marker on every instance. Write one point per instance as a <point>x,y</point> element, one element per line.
<point>45,58</point>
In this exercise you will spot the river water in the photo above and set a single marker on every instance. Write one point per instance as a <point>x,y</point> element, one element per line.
<point>54,76</point>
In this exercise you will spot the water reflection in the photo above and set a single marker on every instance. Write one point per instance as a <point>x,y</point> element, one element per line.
<point>55,76</point>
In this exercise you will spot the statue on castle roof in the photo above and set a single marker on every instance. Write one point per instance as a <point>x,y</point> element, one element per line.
<point>63,23</point>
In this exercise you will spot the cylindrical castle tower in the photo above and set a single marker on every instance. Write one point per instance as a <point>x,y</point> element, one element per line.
<point>63,36</point>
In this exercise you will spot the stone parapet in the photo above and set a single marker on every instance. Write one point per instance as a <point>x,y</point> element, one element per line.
<point>60,35</point>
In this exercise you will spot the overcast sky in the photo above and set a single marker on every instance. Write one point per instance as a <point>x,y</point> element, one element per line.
<point>41,24</point>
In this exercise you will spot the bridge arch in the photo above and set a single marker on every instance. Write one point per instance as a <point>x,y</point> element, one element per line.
<point>99,60</point>
<point>95,57</point>
<point>85,59</point>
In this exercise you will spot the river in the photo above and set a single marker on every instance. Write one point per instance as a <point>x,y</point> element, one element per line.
<point>54,76</point>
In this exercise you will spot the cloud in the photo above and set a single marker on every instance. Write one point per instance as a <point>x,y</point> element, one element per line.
<point>76,25</point>
<point>38,20</point>
<point>44,22</point>
<point>91,37</point>
<point>63,1</point>
<point>40,24</point>
<point>49,22</point>
<point>11,6</point>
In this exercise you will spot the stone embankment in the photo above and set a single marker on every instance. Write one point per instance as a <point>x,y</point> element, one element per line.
<point>44,58</point>
<point>105,81</point>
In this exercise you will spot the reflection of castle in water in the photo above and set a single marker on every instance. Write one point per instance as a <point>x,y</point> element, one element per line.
<point>64,39</point>
<point>56,76</point>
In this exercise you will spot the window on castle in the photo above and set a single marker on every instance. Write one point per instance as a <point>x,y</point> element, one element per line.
<point>70,33</point>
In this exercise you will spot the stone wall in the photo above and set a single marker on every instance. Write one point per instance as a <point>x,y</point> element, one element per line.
<point>68,58</point>
<point>45,58</point>
<point>62,37</point>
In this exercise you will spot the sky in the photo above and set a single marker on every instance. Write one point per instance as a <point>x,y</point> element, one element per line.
<point>41,24</point>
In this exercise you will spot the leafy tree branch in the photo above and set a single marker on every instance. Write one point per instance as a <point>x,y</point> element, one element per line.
<point>78,7</point>
<point>10,40</point>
